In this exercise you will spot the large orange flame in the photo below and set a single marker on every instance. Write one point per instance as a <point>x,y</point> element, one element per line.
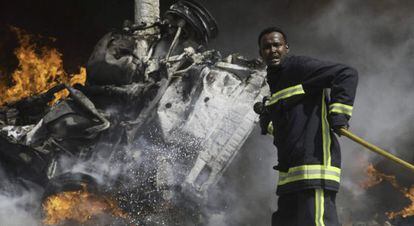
<point>78,206</point>
<point>375,177</point>
<point>39,69</point>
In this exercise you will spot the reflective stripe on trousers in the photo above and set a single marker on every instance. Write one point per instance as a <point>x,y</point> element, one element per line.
<point>319,207</point>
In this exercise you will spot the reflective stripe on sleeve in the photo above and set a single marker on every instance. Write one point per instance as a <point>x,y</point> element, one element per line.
<point>341,108</point>
<point>309,172</point>
<point>285,93</point>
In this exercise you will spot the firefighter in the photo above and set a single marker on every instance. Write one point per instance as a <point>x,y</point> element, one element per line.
<point>310,100</point>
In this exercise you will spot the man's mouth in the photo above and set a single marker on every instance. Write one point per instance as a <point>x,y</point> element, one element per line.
<point>275,60</point>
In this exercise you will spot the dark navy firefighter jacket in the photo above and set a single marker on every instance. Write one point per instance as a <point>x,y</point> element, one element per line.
<point>309,97</point>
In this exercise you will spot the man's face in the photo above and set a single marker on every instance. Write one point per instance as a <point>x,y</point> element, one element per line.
<point>273,48</point>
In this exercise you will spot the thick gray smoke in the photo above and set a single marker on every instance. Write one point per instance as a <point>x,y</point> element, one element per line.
<point>16,210</point>
<point>19,202</point>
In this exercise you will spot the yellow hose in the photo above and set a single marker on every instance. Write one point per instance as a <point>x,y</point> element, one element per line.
<point>376,149</point>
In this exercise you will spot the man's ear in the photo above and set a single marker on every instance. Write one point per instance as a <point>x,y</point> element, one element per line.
<point>287,47</point>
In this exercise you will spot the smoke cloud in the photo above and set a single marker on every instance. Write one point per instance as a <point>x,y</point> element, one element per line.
<point>19,202</point>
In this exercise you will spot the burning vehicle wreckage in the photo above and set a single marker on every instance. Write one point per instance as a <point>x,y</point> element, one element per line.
<point>153,129</point>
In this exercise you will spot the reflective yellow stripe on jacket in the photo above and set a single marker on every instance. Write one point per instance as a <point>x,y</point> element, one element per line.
<point>341,108</point>
<point>309,172</point>
<point>326,135</point>
<point>285,93</point>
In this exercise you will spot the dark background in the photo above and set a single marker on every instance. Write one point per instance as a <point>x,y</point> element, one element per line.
<point>78,24</point>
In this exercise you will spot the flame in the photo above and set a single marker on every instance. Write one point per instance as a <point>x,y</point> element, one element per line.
<point>39,69</point>
<point>79,206</point>
<point>375,177</point>
<point>407,211</point>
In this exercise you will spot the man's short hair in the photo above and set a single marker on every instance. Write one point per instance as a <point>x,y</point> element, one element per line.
<point>270,30</point>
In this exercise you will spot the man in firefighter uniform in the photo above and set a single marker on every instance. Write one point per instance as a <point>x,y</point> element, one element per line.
<point>310,99</point>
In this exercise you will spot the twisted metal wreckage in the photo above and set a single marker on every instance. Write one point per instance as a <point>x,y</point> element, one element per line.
<point>164,113</point>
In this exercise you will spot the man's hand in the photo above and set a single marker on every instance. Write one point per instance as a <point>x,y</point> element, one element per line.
<point>337,122</point>
<point>260,107</point>
<point>264,117</point>
<point>337,129</point>
<point>264,120</point>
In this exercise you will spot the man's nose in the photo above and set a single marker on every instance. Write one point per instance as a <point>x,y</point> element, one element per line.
<point>273,49</point>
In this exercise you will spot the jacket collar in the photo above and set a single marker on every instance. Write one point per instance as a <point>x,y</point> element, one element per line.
<point>273,72</point>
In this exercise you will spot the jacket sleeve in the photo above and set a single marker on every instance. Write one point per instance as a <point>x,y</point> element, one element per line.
<point>341,79</point>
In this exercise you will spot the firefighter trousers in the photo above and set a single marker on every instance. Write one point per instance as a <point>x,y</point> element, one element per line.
<point>313,207</point>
